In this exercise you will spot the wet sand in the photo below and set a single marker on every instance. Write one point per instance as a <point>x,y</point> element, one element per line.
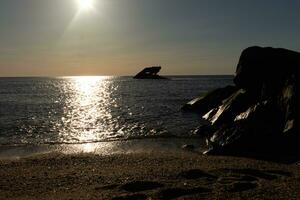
<point>151,175</point>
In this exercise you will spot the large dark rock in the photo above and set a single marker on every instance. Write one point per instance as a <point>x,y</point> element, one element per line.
<point>264,70</point>
<point>261,114</point>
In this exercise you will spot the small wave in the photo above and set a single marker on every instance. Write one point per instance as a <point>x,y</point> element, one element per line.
<point>102,141</point>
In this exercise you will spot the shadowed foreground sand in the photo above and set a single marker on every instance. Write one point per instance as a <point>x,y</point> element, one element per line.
<point>153,175</point>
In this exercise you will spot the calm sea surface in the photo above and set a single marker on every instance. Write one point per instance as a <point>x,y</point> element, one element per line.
<point>77,110</point>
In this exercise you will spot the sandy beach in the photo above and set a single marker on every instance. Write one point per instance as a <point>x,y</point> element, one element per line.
<point>151,175</point>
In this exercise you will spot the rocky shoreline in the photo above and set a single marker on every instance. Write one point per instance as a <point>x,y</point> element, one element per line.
<point>260,113</point>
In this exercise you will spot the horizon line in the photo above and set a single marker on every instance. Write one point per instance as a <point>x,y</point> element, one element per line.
<point>66,76</point>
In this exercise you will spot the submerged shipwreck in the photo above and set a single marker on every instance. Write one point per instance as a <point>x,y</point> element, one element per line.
<point>150,73</point>
<point>260,113</point>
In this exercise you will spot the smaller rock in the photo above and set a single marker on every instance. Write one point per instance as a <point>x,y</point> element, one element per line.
<point>205,103</point>
<point>235,104</point>
<point>203,130</point>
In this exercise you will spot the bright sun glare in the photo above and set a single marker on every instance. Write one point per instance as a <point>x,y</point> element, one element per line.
<point>85,4</point>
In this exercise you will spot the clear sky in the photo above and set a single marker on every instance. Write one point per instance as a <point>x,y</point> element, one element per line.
<point>119,37</point>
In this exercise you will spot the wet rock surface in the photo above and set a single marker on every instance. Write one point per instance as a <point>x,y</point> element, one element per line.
<point>210,100</point>
<point>260,114</point>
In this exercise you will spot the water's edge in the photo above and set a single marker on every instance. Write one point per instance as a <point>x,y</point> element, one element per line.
<point>103,148</point>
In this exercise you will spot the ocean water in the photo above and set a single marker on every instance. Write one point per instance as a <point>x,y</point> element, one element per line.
<point>81,110</point>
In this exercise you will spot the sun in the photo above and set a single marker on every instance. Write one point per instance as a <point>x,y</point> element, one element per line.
<point>85,4</point>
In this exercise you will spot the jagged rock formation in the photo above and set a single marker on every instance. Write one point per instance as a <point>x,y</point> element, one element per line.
<point>260,114</point>
<point>149,73</point>
<point>212,99</point>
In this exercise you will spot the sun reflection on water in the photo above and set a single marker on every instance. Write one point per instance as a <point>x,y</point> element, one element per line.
<point>86,106</point>
<point>88,148</point>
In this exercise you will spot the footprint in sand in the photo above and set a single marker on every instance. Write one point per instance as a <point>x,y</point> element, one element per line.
<point>238,180</point>
<point>195,174</point>
<point>172,193</point>
<point>279,173</point>
<point>131,197</point>
<point>239,186</point>
<point>138,186</point>
<point>107,187</point>
<point>258,174</point>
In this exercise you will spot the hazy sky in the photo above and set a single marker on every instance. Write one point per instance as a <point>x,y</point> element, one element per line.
<point>119,37</point>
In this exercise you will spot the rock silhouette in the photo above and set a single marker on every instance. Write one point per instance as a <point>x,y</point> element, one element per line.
<point>149,73</point>
<point>260,114</point>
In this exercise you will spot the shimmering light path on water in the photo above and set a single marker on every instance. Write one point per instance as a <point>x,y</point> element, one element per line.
<point>87,113</point>
<point>82,110</point>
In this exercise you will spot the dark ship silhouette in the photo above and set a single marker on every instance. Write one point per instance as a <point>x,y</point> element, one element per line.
<point>149,73</point>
